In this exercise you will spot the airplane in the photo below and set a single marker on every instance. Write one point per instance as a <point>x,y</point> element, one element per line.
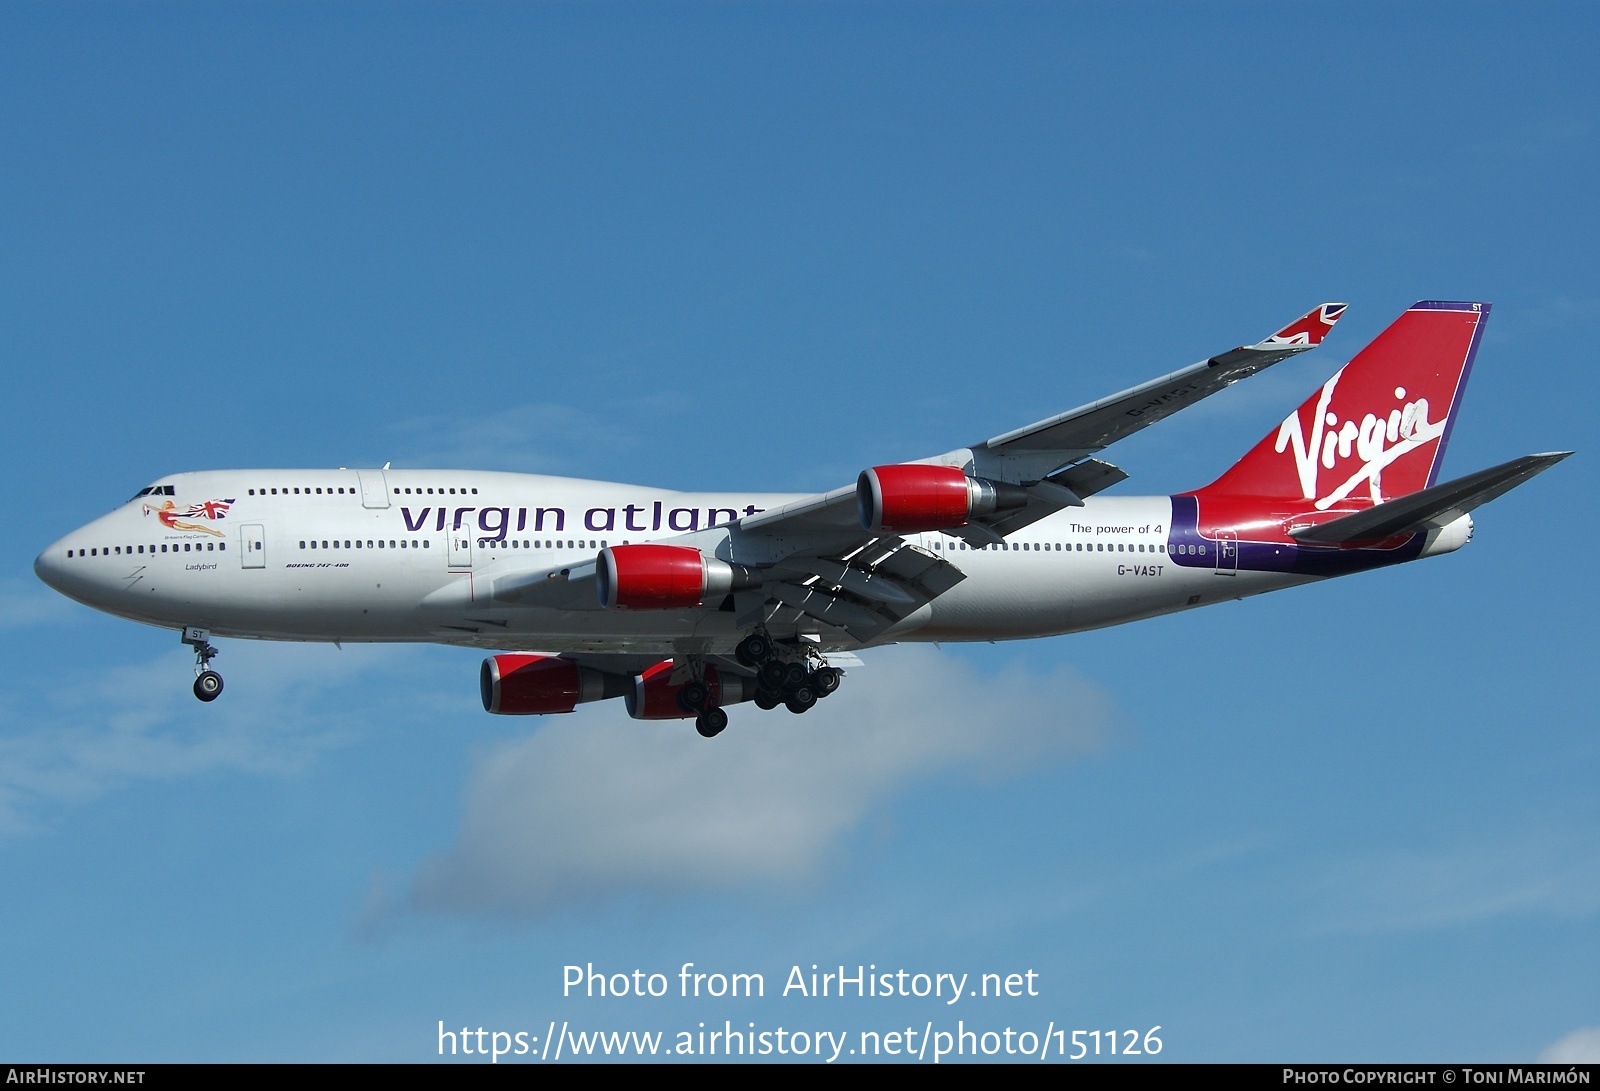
<point>686,603</point>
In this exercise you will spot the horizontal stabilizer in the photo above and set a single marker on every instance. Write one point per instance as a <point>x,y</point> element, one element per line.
<point>1436,506</point>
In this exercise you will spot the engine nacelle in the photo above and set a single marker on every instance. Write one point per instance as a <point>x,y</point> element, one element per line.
<point>533,685</point>
<point>665,577</point>
<point>914,497</point>
<point>654,697</point>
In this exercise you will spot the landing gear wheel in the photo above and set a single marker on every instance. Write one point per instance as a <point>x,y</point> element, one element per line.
<point>753,649</point>
<point>801,700</point>
<point>711,722</point>
<point>208,685</point>
<point>766,700</point>
<point>795,675</point>
<point>825,680</point>
<point>774,674</point>
<point>693,696</point>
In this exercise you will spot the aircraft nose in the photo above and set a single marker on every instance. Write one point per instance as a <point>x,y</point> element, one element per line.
<point>49,566</point>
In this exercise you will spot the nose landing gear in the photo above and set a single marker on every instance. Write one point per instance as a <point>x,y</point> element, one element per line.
<point>207,682</point>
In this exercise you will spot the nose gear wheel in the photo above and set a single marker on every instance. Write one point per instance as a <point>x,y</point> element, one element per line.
<point>207,682</point>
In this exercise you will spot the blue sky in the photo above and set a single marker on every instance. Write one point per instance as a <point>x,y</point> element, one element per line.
<point>763,246</point>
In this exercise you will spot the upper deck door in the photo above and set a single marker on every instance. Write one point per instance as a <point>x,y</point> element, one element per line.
<point>374,488</point>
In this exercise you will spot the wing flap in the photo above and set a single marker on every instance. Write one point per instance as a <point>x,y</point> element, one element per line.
<point>868,592</point>
<point>1065,489</point>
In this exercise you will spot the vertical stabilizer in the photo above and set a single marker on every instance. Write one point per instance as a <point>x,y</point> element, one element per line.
<point>1378,428</point>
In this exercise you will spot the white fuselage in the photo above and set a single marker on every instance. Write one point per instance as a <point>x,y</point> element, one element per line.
<point>345,555</point>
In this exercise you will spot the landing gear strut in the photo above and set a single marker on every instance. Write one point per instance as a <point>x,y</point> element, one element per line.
<point>207,682</point>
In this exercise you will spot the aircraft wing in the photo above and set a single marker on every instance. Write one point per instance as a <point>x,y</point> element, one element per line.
<point>1027,454</point>
<point>1050,458</point>
<point>821,557</point>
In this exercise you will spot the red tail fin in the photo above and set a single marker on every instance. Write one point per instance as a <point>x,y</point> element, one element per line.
<point>1378,428</point>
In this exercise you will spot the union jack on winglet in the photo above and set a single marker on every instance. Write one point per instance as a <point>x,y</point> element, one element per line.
<point>1310,330</point>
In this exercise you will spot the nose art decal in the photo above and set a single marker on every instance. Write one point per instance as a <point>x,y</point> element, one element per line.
<point>173,517</point>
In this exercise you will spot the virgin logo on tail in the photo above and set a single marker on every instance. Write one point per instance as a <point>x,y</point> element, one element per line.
<point>1375,430</point>
<point>1376,441</point>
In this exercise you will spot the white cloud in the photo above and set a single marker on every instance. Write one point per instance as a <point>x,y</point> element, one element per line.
<point>1580,1047</point>
<point>70,739</point>
<point>592,805</point>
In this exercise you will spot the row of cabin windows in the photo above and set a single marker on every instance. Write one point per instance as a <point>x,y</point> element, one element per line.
<point>493,543</point>
<point>306,491</point>
<point>1078,547</point>
<point>484,543</point>
<point>120,551</point>
<point>336,491</point>
<point>537,543</point>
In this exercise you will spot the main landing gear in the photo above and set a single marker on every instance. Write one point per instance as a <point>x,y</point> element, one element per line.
<point>207,682</point>
<point>792,676</point>
<point>794,683</point>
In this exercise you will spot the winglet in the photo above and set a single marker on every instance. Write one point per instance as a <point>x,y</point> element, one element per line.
<point>1308,330</point>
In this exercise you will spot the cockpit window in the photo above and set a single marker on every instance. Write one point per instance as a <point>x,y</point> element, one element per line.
<point>155,490</point>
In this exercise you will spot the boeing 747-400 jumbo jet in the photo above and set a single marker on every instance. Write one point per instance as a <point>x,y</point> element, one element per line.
<point>686,603</point>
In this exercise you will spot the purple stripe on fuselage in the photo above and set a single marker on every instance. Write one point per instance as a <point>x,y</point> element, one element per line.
<point>1303,560</point>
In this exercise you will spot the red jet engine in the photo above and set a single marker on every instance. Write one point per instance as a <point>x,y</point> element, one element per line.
<point>665,577</point>
<point>914,497</point>
<point>532,685</point>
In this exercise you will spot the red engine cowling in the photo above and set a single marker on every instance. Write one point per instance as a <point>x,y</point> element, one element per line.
<point>664,577</point>
<point>532,685</point>
<point>914,497</point>
<point>654,697</point>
